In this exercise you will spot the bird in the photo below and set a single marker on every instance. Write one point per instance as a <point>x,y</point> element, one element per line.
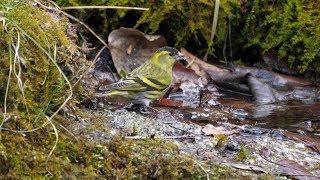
<point>149,81</point>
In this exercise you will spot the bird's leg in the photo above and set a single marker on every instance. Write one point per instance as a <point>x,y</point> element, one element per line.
<point>141,109</point>
<point>148,110</point>
<point>132,107</point>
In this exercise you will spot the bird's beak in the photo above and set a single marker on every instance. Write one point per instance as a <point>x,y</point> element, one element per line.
<point>180,57</point>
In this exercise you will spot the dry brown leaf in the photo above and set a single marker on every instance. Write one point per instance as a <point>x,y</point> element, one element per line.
<point>211,130</point>
<point>182,74</point>
<point>202,68</point>
<point>247,167</point>
<point>130,48</point>
<point>310,142</point>
<point>295,170</point>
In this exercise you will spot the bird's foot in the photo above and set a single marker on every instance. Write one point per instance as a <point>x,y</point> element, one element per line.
<point>143,110</point>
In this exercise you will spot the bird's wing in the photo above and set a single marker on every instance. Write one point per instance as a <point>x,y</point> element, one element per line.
<point>125,84</point>
<point>136,83</point>
<point>139,80</point>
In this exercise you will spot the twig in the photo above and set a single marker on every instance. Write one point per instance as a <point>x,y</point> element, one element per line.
<point>90,66</point>
<point>190,63</point>
<point>106,7</point>
<point>55,144</point>
<point>230,40</point>
<point>225,47</point>
<point>86,26</point>
<point>163,137</point>
<point>156,172</point>
<point>226,38</point>
<point>306,175</point>
<point>67,130</point>
<point>202,168</point>
<point>17,60</point>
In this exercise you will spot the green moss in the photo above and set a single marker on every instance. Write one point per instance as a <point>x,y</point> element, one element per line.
<point>243,154</point>
<point>221,140</point>
<point>289,27</point>
<point>29,36</point>
<point>24,156</point>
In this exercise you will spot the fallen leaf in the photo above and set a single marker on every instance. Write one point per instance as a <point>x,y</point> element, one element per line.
<point>237,73</point>
<point>191,59</point>
<point>209,129</point>
<point>182,74</point>
<point>295,170</point>
<point>130,48</point>
<point>168,103</point>
<point>202,68</point>
<point>247,167</point>
<point>310,142</point>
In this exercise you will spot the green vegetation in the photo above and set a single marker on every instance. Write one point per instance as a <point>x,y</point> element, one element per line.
<point>289,28</point>
<point>221,139</point>
<point>119,158</point>
<point>32,83</point>
<point>243,154</point>
<point>35,47</point>
<point>179,21</point>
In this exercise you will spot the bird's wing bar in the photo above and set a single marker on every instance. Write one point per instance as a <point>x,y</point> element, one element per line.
<point>135,84</point>
<point>123,85</point>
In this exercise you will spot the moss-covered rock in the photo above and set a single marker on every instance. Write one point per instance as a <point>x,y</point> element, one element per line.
<point>34,45</point>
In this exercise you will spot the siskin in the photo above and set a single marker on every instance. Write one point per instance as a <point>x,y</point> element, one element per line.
<point>149,81</point>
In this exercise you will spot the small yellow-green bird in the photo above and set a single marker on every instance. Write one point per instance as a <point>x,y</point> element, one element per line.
<point>149,81</point>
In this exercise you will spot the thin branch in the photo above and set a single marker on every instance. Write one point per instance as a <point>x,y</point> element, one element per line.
<point>90,66</point>
<point>55,144</point>
<point>17,60</point>
<point>67,130</point>
<point>86,26</point>
<point>202,168</point>
<point>163,137</point>
<point>272,162</point>
<point>106,7</point>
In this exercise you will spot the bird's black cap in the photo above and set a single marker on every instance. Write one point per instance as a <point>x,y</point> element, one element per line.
<point>173,52</point>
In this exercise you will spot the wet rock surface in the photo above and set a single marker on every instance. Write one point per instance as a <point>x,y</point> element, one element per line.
<point>265,147</point>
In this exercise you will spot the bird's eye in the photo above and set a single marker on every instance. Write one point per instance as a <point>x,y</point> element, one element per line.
<point>171,53</point>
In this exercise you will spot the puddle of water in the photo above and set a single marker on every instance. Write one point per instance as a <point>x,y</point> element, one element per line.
<point>293,116</point>
<point>297,118</point>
